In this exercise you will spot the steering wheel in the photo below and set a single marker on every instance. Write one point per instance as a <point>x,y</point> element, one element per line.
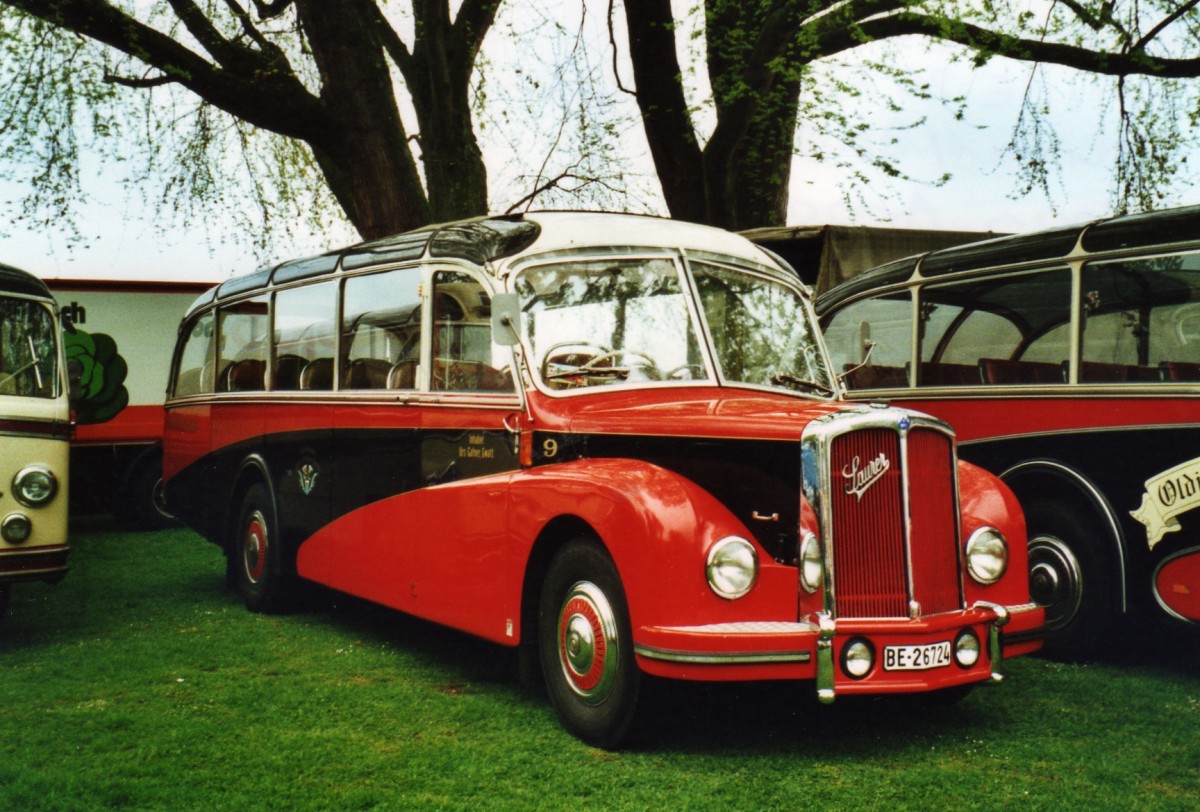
<point>694,373</point>
<point>585,347</point>
<point>595,363</point>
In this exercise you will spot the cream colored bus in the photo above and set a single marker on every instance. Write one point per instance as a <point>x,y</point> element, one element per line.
<point>35,427</point>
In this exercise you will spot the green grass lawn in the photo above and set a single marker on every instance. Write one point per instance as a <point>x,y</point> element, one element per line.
<point>141,683</point>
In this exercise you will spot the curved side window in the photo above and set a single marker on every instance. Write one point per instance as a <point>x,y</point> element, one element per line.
<point>870,341</point>
<point>195,372</point>
<point>1010,330</point>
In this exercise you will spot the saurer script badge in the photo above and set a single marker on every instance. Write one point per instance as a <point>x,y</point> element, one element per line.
<point>859,477</point>
<point>1167,495</point>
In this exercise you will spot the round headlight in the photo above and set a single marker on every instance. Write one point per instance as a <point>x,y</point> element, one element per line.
<point>732,567</point>
<point>987,555</point>
<point>34,486</point>
<point>858,657</point>
<point>966,649</point>
<point>15,528</point>
<point>812,564</point>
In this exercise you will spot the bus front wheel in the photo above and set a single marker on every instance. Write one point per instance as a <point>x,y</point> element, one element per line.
<point>586,645</point>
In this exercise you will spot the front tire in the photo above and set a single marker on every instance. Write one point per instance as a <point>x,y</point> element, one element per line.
<point>586,645</point>
<point>255,557</point>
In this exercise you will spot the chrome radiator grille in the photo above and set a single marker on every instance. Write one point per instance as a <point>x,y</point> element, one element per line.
<point>892,515</point>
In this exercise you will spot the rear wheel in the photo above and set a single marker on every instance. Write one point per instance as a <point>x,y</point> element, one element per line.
<point>1070,577</point>
<point>143,503</point>
<point>586,646</point>
<point>255,557</point>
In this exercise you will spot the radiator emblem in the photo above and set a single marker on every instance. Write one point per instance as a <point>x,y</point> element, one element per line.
<point>860,477</point>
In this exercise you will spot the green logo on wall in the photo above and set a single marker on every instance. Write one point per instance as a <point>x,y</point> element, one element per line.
<point>102,392</point>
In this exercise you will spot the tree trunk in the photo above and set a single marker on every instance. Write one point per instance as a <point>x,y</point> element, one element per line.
<point>363,151</point>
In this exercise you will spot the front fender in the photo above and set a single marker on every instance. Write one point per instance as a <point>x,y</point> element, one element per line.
<point>658,527</point>
<point>986,501</point>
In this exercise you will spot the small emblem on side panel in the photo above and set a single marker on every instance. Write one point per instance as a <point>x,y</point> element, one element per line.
<point>308,477</point>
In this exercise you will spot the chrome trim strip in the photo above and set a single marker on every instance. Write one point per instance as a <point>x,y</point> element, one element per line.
<point>725,658</point>
<point>29,552</point>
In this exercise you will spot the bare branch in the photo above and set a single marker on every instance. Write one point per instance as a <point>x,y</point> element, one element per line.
<point>140,84</point>
<point>1130,63</point>
<point>612,40</point>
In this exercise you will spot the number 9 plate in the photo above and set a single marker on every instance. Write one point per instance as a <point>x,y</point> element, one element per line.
<point>916,658</point>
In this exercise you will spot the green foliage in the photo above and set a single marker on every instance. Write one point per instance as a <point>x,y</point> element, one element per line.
<point>140,683</point>
<point>69,112</point>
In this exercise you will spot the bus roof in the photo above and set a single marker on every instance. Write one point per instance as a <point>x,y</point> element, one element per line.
<point>1125,232</point>
<point>483,240</point>
<point>14,280</point>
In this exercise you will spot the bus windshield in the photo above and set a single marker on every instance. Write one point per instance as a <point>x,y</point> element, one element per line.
<point>594,323</point>
<point>28,366</point>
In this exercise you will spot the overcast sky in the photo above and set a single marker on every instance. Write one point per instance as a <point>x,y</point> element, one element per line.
<point>122,240</point>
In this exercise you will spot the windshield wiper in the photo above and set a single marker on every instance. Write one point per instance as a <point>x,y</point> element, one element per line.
<point>780,378</point>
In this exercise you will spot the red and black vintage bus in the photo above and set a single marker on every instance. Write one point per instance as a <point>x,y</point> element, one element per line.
<point>1068,362</point>
<point>608,440</point>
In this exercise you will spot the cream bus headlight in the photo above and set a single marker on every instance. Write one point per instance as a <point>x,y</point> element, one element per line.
<point>34,486</point>
<point>812,563</point>
<point>15,528</point>
<point>732,567</point>
<point>987,555</point>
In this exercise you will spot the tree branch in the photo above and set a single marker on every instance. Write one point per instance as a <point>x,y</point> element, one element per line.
<point>275,100</point>
<point>1105,63</point>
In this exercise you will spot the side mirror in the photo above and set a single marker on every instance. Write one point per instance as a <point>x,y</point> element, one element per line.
<point>74,379</point>
<point>506,319</point>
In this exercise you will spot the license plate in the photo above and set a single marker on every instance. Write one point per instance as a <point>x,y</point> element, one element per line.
<point>916,658</point>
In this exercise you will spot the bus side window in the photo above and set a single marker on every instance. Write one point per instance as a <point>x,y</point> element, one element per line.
<point>381,330</point>
<point>241,346</point>
<point>304,337</point>
<point>464,356</point>
<point>195,373</point>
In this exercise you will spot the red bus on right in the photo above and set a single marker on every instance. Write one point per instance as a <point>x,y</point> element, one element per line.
<point>1068,362</point>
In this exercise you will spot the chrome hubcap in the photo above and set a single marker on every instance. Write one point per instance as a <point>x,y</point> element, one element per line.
<point>1055,580</point>
<point>587,638</point>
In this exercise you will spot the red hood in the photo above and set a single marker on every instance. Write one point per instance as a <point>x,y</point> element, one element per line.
<point>681,412</point>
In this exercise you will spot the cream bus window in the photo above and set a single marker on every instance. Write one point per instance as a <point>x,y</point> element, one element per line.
<point>28,349</point>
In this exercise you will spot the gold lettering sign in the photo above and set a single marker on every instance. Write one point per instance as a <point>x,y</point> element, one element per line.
<point>1167,495</point>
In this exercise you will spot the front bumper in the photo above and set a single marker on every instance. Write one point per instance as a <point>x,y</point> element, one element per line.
<point>45,563</point>
<point>811,649</point>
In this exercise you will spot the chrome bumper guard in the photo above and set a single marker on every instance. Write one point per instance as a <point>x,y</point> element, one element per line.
<point>826,672</point>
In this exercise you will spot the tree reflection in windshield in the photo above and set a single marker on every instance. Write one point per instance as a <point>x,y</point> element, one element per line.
<point>761,331</point>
